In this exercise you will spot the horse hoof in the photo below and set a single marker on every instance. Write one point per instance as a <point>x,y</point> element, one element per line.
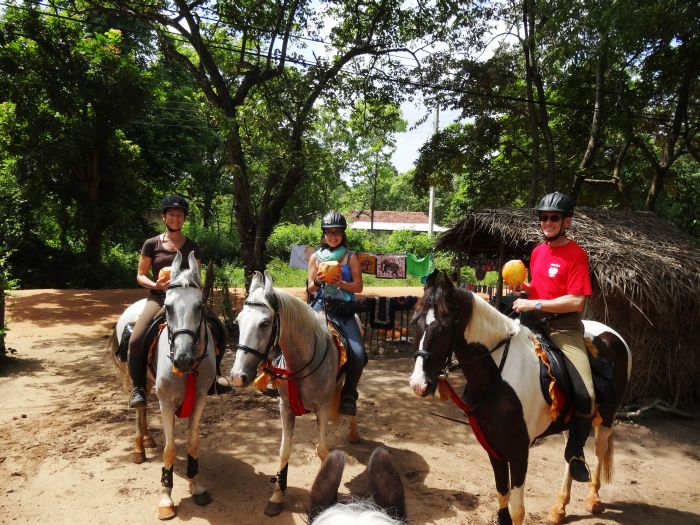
<point>202,498</point>
<point>273,509</point>
<point>166,513</point>
<point>149,443</point>
<point>139,457</point>
<point>556,517</point>
<point>594,507</point>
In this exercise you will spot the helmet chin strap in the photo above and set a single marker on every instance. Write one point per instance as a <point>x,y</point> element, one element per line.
<point>172,230</point>
<point>562,233</point>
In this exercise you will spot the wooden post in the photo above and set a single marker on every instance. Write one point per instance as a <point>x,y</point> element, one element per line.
<point>501,261</point>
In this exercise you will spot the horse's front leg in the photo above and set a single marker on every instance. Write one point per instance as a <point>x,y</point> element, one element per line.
<point>148,441</point>
<point>322,418</point>
<point>500,472</point>
<point>166,507</point>
<point>275,503</point>
<point>603,467</point>
<point>198,491</point>
<point>139,453</point>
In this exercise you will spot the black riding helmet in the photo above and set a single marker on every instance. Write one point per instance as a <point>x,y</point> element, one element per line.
<point>174,201</point>
<point>556,201</point>
<point>333,219</point>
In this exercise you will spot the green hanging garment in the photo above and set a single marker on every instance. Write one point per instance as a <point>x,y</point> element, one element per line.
<point>419,267</point>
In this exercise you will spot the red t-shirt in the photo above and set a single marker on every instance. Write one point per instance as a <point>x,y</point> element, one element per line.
<point>557,271</point>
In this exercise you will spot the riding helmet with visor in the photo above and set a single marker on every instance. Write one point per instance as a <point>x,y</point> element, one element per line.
<point>556,201</point>
<point>333,219</point>
<point>174,202</point>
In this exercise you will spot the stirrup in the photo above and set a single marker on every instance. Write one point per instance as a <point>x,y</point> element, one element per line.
<point>578,469</point>
<point>138,398</point>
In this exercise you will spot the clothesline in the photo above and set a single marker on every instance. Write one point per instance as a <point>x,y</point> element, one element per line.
<point>384,266</point>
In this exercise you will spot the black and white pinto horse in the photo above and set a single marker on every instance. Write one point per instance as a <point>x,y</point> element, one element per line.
<point>508,410</point>
<point>276,327</point>
<point>185,368</point>
<point>389,507</point>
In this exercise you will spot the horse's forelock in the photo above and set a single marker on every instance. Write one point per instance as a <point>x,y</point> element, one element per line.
<point>185,278</point>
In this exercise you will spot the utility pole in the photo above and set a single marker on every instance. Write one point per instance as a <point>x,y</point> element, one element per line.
<point>431,205</point>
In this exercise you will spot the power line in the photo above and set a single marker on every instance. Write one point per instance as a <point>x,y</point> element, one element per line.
<point>381,78</point>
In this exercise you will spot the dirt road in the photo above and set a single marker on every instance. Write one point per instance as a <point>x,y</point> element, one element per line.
<point>65,436</point>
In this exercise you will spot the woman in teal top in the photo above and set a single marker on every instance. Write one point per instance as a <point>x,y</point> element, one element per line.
<point>336,294</point>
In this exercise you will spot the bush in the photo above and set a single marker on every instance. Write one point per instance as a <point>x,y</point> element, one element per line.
<point>279,244</point>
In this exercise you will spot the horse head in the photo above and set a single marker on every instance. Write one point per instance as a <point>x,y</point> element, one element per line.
<point>387,491</point>
<point>184,312</point>
<point>441,323</point>
<point>258,325</point>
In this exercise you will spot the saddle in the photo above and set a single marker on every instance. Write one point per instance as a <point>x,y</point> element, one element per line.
<point>556,383</point>
<point>217,328</point>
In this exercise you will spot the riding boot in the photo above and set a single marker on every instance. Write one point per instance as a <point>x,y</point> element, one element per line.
<point>578,433</point>
<point>137,371</point>
<point>349,395</point>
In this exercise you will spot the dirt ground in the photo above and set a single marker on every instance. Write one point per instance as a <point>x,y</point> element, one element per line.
<point>65,441</point>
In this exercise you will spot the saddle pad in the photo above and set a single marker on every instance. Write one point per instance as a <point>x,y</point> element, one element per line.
<point>554,381</point>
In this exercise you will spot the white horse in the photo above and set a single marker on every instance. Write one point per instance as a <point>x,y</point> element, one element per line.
<point>185,367</point>
<point>284,335</point>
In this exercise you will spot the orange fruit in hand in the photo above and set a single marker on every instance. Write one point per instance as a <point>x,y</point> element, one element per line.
<point>164,272</point>
<point>330,269</point>
<point>514,273</point>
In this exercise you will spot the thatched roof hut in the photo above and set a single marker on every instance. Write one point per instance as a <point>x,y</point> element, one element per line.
<point>646,281</point>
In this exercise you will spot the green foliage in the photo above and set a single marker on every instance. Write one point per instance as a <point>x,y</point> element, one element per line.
<point>280,241</point>
<point>215,244</point>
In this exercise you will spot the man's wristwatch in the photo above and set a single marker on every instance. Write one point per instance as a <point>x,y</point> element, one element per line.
<point>318,283</point>
<point>538,305</point>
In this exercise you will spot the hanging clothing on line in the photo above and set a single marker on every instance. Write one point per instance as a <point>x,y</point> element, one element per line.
<point>300,256</point>
<point>391,266</point>
<point>368,262</point>
<point>418,267</point>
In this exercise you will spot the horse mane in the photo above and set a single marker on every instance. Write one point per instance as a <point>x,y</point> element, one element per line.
<point>293,312</point>
<point>487,324</point>
<point>185,278</point>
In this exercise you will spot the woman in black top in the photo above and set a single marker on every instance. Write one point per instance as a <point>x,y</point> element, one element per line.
<point>157,253</point>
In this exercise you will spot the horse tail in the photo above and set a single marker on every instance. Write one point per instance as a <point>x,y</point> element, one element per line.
<point>606,464</point>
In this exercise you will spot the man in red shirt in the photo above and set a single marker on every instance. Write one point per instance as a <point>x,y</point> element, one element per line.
<point>559,286</point>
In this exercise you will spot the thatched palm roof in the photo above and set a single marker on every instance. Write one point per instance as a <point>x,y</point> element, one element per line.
<point>646,282</point>
<point>636,254</point>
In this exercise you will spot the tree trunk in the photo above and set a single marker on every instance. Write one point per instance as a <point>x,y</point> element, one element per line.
<point>532,114</point>
<point>669,153</point>
<point>596,121</point>
<point>90,177</point>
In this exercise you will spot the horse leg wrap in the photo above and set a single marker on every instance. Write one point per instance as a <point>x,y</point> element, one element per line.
<point>281,478</point>
<point>192,466</point>
<point>504,517</point>
<point>166,479</point>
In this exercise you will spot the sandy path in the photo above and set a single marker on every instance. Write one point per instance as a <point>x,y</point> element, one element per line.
<point>66,438</point>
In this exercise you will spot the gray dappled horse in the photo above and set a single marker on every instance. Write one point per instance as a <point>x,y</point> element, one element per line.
<point>389,506</point>
<point>276,327</point>
<point>497,357</point>
<point>185,366</point>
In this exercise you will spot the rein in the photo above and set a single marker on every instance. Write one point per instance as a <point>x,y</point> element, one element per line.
<point>273,343</point>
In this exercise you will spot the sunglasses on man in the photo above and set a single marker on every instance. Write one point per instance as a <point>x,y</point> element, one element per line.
<point>551,218</point>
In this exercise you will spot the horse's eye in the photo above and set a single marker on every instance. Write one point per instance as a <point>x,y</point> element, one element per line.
<point>264,324</point>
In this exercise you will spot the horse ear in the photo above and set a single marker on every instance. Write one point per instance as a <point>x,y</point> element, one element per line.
<point>194,266</point>
<point>386,484</point>
<point>432,277</point>
<point>175,268</point>
<point>324,491</point>
<point>269,291</point>
<point>255,282</point>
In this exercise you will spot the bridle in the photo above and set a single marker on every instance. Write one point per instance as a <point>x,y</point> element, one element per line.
<point>273,343</point>
<point>172,334</point>
<point>453,344</point>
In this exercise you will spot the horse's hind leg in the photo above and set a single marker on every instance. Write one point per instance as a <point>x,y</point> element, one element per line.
<point>199,492</point>
<point>500,472</point>
<point>603,467</point>
<point>148,441</point>
<point>275,503</point>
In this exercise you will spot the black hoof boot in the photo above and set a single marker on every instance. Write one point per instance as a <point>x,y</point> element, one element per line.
<point>579,470</point>
<point>138,398</point>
